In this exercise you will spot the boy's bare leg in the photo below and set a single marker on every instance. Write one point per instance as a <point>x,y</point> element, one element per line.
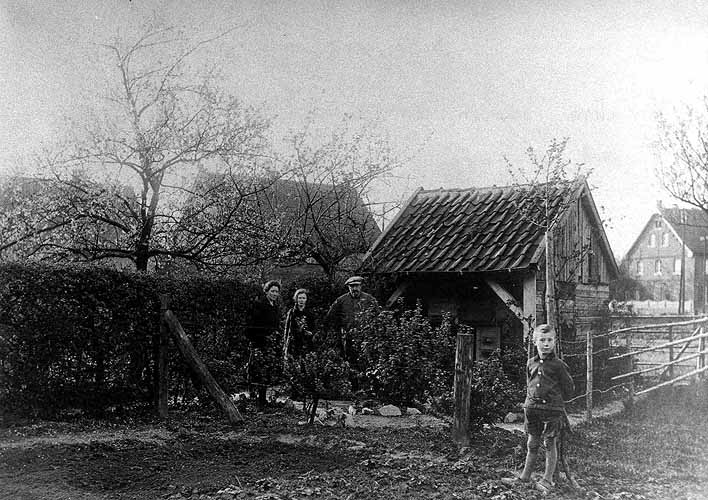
<point>551,458</point>
<point>532,445</point>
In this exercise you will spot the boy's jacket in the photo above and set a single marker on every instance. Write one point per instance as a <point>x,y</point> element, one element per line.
<point>548,383</point>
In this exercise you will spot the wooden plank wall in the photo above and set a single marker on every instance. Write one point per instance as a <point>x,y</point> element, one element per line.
<point>576,238</point>
<point>583,308</point>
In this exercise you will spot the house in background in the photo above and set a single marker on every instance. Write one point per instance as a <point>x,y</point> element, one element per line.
<point>292,226</point>
<point>669,255</point>
<point>478,255</point>
<point>324,227</point>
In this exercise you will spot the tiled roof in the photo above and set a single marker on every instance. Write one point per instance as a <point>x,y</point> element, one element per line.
<point>690,225</point>
<point>467,230</point>
<point>340,210</point>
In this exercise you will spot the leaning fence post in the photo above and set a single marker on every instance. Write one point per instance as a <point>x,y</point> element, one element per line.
<point>464,360</point>
<point>589,376</point>
<point>200,370</point>
<point>162,375</point>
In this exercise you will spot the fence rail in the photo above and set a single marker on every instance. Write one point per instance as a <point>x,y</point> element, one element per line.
<point>642,356</point>
<point>659,342</point>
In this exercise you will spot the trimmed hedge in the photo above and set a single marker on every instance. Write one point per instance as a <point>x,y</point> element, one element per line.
<point>84,337</point>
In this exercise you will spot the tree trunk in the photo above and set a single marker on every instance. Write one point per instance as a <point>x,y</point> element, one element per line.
<point>141,257</point>
<point>551,313</point>
<point>313,410</point>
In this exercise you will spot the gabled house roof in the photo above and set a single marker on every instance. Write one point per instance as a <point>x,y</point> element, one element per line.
<point>475,230</point>
<point>336,208</point>
<point>312,221</point>
<point>689,225</point>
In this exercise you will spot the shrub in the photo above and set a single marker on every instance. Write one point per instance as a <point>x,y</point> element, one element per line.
<point>493,392</point>
<point>317,375</point>
<point>403,359</point>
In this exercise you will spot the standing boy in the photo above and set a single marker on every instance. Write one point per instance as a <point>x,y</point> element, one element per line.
<point>548,386</point>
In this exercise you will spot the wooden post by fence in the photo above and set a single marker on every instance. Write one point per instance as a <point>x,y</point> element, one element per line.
<point>589,377</point>
<point>162,375</point>
<point>464,361</point>
<point>701,349</point>
<point>200,370</point>
<point>630,369</point>
<point>671,353</point>
<point>701,385</point>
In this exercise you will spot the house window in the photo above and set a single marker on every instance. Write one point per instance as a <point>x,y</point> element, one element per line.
<point>657,266</point>
<point>665,240</point>
<point>677,266</point>
<point>657,224</point>
<point>640,268</point>
<point>652,240</point>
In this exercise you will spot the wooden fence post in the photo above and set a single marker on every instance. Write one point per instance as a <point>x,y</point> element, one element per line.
<point>671,353</point>
<point>464,361</point>
<point>701,347</point>
<point>630,369</point>
<point>701,385</point>
<point>162,374</point>
<point>589,376</point>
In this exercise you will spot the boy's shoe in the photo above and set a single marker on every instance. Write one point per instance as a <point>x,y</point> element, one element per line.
<point>544,486</point>
<point>515,480</point>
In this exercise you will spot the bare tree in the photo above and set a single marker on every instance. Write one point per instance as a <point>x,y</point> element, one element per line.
<point>323,206</point>
<point>683,148</point>
<point>128,187</point>
<point>551,182</point>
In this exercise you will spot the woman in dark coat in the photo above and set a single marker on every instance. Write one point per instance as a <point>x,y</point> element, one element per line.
<point>263,333</point>
<point>299,327</point>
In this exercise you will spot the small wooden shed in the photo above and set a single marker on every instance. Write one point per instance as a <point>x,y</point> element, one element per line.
<point>479,255</point>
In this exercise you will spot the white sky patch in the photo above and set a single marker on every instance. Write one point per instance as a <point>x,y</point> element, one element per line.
<point>456,85</point>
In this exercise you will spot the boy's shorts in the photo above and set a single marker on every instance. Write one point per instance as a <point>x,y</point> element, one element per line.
<point>546,423</point>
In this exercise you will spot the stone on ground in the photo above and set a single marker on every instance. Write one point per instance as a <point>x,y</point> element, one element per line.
<point>512,418</point>
<point>390,411</point>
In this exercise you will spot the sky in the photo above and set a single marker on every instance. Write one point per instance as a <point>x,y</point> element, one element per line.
<point>457,86</point>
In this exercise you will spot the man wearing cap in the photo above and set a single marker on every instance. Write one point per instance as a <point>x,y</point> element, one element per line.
<point>345,311</point>
<point>345,314</point>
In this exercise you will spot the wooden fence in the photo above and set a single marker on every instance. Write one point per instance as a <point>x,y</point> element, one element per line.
<point>662,354</point>
<point>630,361</point>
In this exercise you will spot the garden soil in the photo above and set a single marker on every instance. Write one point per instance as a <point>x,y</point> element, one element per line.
<point>658,450</point>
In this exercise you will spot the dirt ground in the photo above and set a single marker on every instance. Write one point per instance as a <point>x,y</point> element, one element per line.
<point>659,450</point>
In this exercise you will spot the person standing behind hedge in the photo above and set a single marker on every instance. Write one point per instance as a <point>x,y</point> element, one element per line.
<point>346,313</point>
<point>263,334</point>
<point>345,316</point>
<point>299,327</point>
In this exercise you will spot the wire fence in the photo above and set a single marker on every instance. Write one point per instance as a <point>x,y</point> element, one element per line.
<point>618,358</point>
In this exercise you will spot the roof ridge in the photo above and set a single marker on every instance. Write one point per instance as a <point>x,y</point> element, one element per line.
<point>489,188</point>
